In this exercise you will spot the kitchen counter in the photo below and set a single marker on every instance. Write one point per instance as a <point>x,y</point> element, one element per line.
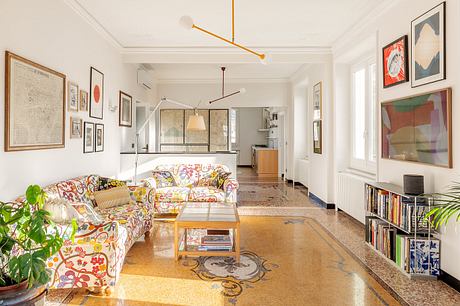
<point>265,161</point>
<point>263,148</point>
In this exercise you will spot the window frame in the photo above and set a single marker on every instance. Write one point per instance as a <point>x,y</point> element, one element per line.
<point>366,164</point>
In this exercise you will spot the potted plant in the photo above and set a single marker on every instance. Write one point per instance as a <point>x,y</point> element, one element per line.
<point>446,206</point>
<point>28,237</point>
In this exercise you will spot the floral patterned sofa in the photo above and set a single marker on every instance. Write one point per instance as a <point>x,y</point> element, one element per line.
<point>95,257</point>
<point>180,183</point>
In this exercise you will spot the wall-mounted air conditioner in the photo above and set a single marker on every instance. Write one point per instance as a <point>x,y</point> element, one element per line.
<point>144,79</point>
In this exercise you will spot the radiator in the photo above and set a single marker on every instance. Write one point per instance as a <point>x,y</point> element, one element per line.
<point>350,194</point>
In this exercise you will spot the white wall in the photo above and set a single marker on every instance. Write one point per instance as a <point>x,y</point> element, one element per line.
<point>249,121</point>
<point>50,33</point>
<point>388,26</point>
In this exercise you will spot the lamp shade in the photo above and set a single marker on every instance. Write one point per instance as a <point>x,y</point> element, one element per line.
<point>186,22</point>
<point>196,123</point>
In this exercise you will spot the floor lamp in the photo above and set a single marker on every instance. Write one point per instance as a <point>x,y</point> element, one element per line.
<point>195,123</point>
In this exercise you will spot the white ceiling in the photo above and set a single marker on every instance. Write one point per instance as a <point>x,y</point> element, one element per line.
<point>259,23</point>
<point>233,72</point>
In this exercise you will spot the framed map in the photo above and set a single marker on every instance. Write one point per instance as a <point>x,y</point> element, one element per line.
<point>96,100</point>
<point>34,105</point>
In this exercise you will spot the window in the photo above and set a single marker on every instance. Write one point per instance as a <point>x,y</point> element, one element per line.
<point>174,136</point>
<point>363,123</point>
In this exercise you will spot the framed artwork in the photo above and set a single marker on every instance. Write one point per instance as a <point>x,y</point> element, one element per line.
<point>88,137</point>
<point>125,110</point>
<point>72,99</point>
<point>83,100</point>
<point>428,47</point>
<point>96,101</point>
<point>75,127</point>
<point>419,128</point>
<point>34,105</point>
<point>317,101</point>
<point>99,137</point>
<point>317,137</point>
<point>395,63</point>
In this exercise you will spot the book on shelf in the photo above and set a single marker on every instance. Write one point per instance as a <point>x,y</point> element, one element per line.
<point>216,240</point>
<point>215,248</point>
<point>218,232</point>
<point>418,255</point>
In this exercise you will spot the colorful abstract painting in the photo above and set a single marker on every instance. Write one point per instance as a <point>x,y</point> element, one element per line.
<point>418,129</point>
<point>428,47</point>
<point>395,64</point>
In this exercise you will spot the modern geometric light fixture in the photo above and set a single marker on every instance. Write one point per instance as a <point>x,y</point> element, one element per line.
<point>187,23</point>
<point>241,90</point>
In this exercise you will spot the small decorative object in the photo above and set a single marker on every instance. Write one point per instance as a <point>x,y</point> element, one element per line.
<point>99,137</point>
<point>125,106</point>
<point>317,137</point>
<point>96,102</point>
<point>395,63</point>
<point>419,128</point>
<point>428,47</point>
<point>61,211</point>
<point>72,98</point>
<point>88,139</point>
<point>34,105</point>
<point>413,184</point>
<point>317,101</point>
<point>83,100</point>
<point>75,127</point>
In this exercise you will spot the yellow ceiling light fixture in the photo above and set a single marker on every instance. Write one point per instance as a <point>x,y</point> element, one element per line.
<point>187,23</point>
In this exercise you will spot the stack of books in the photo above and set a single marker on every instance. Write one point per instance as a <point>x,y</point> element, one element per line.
<point>216,243</point>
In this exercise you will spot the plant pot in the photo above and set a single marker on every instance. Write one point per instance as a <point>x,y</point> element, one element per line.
<point>21,295</point>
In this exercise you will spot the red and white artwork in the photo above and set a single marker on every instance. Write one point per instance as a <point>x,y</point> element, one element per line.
<point>395,64</point>
<point>96,104</point>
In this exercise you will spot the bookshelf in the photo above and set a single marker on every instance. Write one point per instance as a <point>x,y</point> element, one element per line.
<point>395,227</point>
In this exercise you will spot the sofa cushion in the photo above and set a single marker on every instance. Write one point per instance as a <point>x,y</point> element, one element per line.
<point>172,194</point>
<point>112,197</point>
<point>163,178</point>
<point>206,194</point>
<point>79,189</point>
<point>187,175</point>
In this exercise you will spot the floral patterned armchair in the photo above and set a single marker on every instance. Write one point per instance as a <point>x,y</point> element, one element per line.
<point>179,183</point>
<point>95,257</point>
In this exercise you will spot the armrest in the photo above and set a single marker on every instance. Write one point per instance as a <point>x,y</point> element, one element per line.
<point>149,182</point>
<point>89,233</point>
<point>230,187</point>
<point>140,194</point>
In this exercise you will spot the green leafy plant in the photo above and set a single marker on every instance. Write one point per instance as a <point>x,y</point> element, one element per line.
<point>446,205</point>
<point>28,237</point>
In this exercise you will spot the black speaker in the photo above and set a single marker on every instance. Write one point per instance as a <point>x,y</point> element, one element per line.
<point>413,184</point>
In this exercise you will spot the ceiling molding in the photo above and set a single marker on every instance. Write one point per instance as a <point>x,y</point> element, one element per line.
<point>362,24</point>
<point>92,21</point>
<point>226,50</point>
<point>227,81</point>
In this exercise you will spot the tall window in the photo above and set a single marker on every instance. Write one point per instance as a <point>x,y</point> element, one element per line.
<point>363,123</point>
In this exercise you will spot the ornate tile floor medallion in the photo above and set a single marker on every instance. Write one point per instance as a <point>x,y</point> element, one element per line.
<point>230,276</point>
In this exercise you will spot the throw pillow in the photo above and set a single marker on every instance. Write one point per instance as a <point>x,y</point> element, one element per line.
<point>61,211</point>
<point>164,178</point>
<point>222,176</point>
<point>112,197</point>
<point>107,183</point>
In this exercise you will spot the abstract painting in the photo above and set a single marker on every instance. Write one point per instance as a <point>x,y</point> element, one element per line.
<point>428,47</point>
<point>125,117</point>
<point>418,129</point>
<point>395,63</point>
<point>96,103</point>
<point>34,105</point>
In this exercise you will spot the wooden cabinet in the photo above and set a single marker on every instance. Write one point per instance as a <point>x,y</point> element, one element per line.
<point>266,162</point>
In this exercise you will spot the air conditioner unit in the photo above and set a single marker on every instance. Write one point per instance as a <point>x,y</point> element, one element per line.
<point>144,79</point>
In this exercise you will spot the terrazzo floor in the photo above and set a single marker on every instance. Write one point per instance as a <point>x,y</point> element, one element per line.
<point>292,255</point>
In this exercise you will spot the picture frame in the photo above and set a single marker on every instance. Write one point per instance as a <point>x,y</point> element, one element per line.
<point>84,100</point>
<point>88,137</point>
<point>99,137</point>
<point>75,128</point>
<point>395,62</point>
<point>428,47</point>
<point>418,128</point>
<point>72,97</point>
<point>96,100</point>
<point>125,110</point>
<point>35,105</point>
<point>317,137</point>
<point>318,101</point>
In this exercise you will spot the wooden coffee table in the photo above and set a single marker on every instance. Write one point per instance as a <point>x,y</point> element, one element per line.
<point>217,215</point>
